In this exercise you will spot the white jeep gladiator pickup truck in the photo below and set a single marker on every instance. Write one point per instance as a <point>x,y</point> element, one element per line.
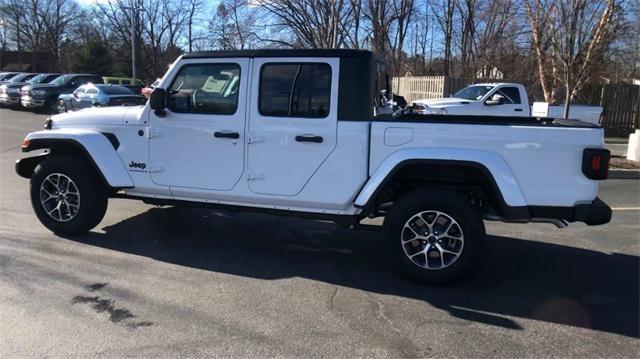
<point>499,99</point>
<point>294,132</point>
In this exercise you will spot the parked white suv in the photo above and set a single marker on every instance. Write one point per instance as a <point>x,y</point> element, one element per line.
<point>293,132</point>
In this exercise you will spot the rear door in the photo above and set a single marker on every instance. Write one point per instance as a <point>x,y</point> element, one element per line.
<point>292,122</point>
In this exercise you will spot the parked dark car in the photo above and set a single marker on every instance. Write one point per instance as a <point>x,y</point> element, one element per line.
<point>21,77</point>
<point>44,97</point>
<point>93,95</point>
<point>10,91</point>
<point>4,76</point>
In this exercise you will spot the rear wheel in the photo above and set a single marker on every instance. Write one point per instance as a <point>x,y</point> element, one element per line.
<point>50,106</point>
<point>437,234</point>
<point>67,196</point>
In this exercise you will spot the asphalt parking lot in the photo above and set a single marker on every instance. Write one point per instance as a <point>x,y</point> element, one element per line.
<point>177,282</point>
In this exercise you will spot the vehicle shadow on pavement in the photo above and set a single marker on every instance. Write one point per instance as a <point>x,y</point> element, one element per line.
<point>520,278</point>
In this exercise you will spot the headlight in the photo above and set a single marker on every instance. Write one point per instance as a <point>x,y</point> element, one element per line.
<point>38,92</point>
<point>13,90</point>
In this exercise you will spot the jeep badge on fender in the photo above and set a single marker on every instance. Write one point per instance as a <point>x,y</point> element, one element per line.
<point>138,165</point>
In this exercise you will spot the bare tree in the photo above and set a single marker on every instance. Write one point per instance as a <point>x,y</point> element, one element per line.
<point>57,17</point>
<point>568,37</point>
<point>313,24</point>
<point>467,10</point>
<point>13,13</point>
<point>444,14</point>
<point>497,31</point>
<point>233,25</point>
<point>402,17</point>
<point>193,7</point>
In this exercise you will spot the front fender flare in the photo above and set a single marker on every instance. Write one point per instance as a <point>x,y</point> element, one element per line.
<point>97,147</point>
<point>491,163</point>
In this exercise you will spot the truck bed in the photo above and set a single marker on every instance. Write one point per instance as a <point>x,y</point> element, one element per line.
<point>544,158</point>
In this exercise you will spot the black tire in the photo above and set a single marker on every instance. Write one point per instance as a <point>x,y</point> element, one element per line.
<point>93,195</point>
<point>49,107</point>
<point>61,107</point>
<point>453,205</point>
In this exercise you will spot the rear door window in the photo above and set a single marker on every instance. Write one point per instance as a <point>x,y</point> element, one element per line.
<point>295,90</point>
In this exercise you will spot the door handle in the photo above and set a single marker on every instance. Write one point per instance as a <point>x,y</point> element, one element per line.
<point>309,138</point>
<point>225,134</point>
<point>518,110</point>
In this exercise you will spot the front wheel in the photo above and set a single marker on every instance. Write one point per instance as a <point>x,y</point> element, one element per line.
<point>437,234</point>
<point>67,196</point>
<point>62,106</point>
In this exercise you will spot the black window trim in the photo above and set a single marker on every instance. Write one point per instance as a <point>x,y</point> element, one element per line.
<point>513,102</point>
<point>262,66</point>
<point>191,64</point>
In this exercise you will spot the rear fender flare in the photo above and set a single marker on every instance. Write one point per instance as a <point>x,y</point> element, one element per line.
<point>490,163</point>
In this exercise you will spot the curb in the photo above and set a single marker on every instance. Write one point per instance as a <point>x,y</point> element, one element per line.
<point>624,174</point>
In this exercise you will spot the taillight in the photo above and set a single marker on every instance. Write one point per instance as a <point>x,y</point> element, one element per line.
<point>595,163</point>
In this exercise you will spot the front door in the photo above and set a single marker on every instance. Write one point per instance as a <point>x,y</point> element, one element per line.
<point>511,103</point>
<point>199,142</point>
<point>292,122</point>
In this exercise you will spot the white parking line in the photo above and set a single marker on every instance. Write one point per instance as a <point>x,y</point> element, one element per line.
<point>625,209</point>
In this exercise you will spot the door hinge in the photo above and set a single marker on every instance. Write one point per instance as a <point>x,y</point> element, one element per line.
<point>255,139</point>
<point>153,133</point>
<point>255,176</point>
<point>156,168</point>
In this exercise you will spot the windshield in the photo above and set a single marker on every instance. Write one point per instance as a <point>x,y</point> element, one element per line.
<point>61,80</point>
<point>37,79</point>
<point>19,78</point>
<point>7,77</point>
<point>473,93</point>
<point>116,90</point>
<point>42,78</point>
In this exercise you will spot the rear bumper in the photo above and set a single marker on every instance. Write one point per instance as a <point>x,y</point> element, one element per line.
<point>592,214</point>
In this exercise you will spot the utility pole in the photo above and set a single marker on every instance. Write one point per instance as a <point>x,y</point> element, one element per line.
<point>4,40</point>
<point>133,40</point>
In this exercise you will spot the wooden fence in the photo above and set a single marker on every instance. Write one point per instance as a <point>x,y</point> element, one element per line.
<point>426,87</point>
<point>621,109</point>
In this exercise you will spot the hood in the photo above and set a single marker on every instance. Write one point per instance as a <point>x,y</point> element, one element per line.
<point>116,115</point>
<point>42,86</point>
<point>444,101</point>
<point>16,84</point>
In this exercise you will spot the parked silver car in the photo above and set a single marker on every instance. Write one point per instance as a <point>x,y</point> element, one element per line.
<point>98,95</point>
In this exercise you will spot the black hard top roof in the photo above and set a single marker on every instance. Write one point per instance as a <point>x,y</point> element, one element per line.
<point>339,53</point>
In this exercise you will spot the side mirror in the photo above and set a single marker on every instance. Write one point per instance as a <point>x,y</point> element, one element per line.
<point>158,99</point>
<point>495,100</point>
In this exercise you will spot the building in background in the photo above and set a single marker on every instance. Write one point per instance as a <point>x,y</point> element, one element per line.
<point>26,61</point>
